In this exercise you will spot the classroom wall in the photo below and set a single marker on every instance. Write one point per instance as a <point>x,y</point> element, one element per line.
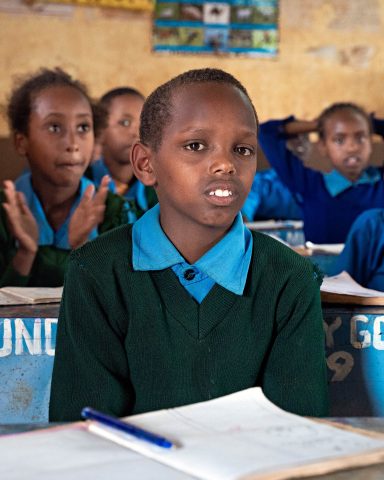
<point>330,50</point>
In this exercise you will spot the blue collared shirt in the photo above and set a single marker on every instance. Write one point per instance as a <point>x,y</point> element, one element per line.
<point>48,236</point>
<point>336,183</point>
<point>215,266</point>
<point>135,192</point>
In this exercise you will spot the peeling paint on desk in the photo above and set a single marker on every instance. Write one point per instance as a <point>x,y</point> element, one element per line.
<point>355,360</point>
<point>27,349</point>
<point>354,344</point>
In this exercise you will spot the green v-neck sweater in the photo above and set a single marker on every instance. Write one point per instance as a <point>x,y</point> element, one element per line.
<point>132,341</point>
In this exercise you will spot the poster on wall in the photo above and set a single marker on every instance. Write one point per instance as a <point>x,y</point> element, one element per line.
<point>245,27</point>
<point>128,4</point>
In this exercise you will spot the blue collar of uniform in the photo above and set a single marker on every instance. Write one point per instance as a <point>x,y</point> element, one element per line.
<point>336,183</point>
<point>135,192</point>
<point>47,236</point>
<point>229,271</point>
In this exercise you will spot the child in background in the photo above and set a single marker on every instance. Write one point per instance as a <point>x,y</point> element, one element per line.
<point>363,254</point>
<point>330,201</point>
<point>187,304</point>
<point>122,107</point>
<point>52,208</point>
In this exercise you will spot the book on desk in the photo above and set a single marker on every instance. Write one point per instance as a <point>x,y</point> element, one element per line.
<point>239,436</point>
<point>343,288</point>
<point>30,295</point>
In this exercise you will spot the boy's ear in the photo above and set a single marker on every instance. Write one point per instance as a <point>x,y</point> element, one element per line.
<point>141,159</point>
<point>21,143</point>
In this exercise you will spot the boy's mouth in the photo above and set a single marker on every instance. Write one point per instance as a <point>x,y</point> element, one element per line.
<point>352,161</point>
<point>220,193</point>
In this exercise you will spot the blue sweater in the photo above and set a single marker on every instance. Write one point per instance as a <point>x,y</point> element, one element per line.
<point>327,219</point>
<point>363,255</point>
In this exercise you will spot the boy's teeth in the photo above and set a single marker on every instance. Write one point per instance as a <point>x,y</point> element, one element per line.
<point>221,193</point>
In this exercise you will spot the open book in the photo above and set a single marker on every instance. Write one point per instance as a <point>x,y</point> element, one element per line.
<point>239,436</point>
<point>343,288</point>
<point>29,295</point>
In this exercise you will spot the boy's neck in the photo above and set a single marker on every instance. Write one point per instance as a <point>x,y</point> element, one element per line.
<point>193,243</point>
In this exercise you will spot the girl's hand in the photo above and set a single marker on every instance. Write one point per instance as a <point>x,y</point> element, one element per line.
<point>89,213</point>
<point>22,223</point>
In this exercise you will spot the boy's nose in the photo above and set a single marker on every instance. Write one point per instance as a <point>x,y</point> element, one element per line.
<point>223,163</point>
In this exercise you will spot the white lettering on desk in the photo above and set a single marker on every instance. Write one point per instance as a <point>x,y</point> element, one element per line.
<point>330,329</point>
<point>364,333</point>
<point>23,341</point>
<point>363,338</point>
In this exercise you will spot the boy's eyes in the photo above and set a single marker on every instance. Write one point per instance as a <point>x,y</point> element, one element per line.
<point>84,128</point>
<point>54,128</point>
<point>358,138</point>
<point>241,150</point>
<point>125,122</point>
<point>361,138</point>
<point>194,146</point>
<point>245,151</point>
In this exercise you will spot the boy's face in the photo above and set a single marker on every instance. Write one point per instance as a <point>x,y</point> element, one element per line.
<point>206,162</point>
<point>347,143</point>
<point>122,130</point>
<point>60,136</point>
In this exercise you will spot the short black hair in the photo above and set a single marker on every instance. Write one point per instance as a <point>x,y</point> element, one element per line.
<point>22,97</point>
<point>107,98</point>
<point>338,107</point>
<point>157,109</point>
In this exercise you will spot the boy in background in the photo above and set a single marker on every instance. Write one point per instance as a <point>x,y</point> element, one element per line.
<point>330,201</point>
<point>122,107</point>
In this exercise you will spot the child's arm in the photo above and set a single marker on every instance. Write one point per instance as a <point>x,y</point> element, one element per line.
<point>295,376</point>
<point>297,127</point>
<point>23,228</point>
<point>273,137</point>
<point>89,213</point>
<point>91,366</point>
<point>377,125</point>
<point>363,254</point>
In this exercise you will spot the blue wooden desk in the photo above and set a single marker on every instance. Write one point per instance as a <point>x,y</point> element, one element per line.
<point>27,349</point>
<point>355,359</point>
<point>354,351</point>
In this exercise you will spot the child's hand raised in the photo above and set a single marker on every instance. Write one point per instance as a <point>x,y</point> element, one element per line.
<point>89,213</point>
<point>22,223</point>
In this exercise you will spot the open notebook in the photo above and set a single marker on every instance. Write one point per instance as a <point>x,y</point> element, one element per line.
<point>343,288</point>
<point>29,295</point>
<point>239,436</point>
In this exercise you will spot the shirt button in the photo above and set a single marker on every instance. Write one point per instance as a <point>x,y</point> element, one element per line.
<point>189,274</point>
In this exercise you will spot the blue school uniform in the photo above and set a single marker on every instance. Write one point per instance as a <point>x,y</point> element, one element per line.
<point>331,202</point>
<point>215,266</point>
<point>136,192</point>
<point>48,236</point>
<point>363,254</point>
<point>270,198</point>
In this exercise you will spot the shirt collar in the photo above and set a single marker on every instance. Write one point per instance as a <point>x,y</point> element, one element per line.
<point>336,183</point>
<point>229,271</point>
<point>47,236</point>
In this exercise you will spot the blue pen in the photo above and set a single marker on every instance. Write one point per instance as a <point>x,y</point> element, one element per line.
<point>91,414</point>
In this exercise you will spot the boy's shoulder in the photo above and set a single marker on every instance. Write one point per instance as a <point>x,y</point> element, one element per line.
<point>105,250</point>
<point>271,254</point>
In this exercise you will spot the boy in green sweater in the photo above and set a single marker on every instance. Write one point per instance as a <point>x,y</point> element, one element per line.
<point>187,304</point>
